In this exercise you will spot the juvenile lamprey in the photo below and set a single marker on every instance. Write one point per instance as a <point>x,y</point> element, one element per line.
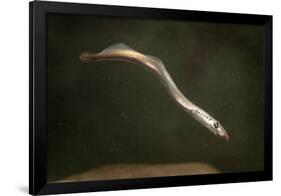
<point>122,52</point>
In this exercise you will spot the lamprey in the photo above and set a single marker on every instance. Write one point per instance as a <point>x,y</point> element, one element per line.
<point>122,52</point>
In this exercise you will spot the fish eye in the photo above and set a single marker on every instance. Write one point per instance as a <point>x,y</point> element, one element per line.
<point>216,125</point>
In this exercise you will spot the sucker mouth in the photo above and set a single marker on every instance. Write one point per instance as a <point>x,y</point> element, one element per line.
<point>223,136</point>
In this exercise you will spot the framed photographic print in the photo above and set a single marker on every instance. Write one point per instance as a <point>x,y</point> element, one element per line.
<point>130,97</point>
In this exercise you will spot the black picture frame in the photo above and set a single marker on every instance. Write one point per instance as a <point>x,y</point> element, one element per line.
<point>38,97</point>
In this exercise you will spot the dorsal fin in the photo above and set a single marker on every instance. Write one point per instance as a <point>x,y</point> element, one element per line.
<point>156,59</point>
<point>123,47</point>
<point>116,47</point>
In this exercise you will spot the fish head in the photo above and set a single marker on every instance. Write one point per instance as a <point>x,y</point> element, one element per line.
<point>217,129</point>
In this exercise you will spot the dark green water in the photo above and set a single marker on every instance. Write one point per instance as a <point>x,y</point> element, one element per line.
<point>116,112</point>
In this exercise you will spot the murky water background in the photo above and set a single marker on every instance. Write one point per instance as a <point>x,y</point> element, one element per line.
<point>109,113</point>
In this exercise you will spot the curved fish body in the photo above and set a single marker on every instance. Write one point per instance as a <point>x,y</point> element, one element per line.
<point>122,52</point>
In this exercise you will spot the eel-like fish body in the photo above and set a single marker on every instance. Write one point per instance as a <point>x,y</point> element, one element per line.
<point>122,52</point>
